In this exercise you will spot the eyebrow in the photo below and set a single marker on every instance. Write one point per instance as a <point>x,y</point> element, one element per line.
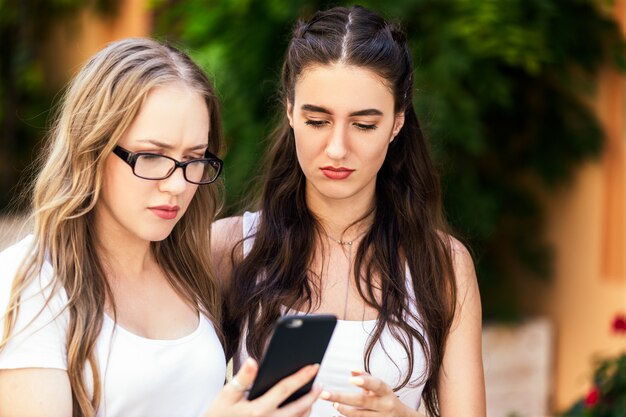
<point>168,147</point>
<point>319,109</point>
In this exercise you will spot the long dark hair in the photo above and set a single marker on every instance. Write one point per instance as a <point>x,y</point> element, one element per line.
<point>408,227</point>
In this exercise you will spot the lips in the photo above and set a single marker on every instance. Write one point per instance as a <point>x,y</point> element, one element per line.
<point>336,173</point>
<point>165,212</point>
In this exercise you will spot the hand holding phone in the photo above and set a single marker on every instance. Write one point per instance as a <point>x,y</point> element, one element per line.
<point>297,341</point>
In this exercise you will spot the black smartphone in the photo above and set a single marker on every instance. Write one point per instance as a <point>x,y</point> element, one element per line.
<point>297,341</point>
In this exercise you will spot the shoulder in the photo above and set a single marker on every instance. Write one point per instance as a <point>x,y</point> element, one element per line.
<point>225,234</point>
<point>11,259</point>
<point>12,256</point>
<point>39,331</point>
<point>222,228</point>
<point>462,261</point>
<point>463,267</point>
<point>467,291</point>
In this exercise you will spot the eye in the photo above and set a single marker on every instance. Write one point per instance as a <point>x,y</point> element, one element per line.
<point>363,126</point>
<point>316,123</point>
<point>151,156</point>
<point>193,157</point>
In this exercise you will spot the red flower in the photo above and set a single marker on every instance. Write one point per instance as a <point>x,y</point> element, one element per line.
<point>593,397</point>
<point>619,324</point>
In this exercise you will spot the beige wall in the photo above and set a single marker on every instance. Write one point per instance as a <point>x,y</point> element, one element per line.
<point>74,40</point>
<point>579,300</point>
<point>587,227</point>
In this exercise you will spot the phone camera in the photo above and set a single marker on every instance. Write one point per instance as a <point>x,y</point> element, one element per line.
<point>294,324</point>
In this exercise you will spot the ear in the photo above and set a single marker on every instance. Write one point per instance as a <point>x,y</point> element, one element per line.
<point>397,125</point>
<point>290,113</point>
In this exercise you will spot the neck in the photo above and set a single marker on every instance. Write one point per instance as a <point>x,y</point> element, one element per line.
<point>345,230</point>
<point>343,219</point>
<point>127,260</point>
<point>123,255</point>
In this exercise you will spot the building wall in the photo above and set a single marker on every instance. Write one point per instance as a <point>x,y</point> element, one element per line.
<point>586,225</point>
<point>72,41</point>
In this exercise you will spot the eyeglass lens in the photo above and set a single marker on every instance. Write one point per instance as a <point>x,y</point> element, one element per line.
<point>158,167</point>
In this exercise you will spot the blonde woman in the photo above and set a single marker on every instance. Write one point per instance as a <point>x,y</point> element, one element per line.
<point>110,307</point>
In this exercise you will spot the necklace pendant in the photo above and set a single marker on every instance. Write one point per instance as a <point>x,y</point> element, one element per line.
<point>345,242</point>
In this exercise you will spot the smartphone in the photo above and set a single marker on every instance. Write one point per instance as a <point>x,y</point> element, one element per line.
<point>297,341</point>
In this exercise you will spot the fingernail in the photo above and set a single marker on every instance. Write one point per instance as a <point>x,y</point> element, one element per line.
<point>325,395</point>
<point>314,367</point>
<point>357,371</point>
<point>358,381</point>
<point>336,405</point>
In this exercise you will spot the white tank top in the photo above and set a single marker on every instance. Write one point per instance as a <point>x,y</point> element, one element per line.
<point>139,377</point>
<point>346,352</point>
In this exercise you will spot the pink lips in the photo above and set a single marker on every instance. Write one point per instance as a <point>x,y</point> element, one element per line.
<point>336,173</point>
<point>165,212</point>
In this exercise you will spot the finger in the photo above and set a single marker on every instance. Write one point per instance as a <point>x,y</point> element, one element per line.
<point>358,400</point>
<point>283,389</point>
<point>370,383</point>
<point>301,406</point>
<point>236,388</point>
<point>349,411</point>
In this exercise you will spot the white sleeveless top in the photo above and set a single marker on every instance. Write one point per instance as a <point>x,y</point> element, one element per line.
<point>139,376</point>
<point>346,352</point>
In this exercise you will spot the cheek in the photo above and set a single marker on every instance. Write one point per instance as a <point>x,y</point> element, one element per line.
<point>306,146</point>
<point>377,151</point>
<point>189,195</point>
<point>120,187</point>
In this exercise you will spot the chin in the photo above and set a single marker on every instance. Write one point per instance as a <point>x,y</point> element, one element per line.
<point>158,235</point>
<point>336,193</point>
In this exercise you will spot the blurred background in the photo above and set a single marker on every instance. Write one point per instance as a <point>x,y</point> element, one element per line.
<point>523,104</point>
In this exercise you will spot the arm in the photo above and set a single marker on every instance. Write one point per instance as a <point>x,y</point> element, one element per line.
<point>461,388</point>
<point>35,392</point>
<point>225,233</point>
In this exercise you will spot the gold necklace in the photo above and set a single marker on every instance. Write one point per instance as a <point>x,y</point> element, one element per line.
<point>347,243</point>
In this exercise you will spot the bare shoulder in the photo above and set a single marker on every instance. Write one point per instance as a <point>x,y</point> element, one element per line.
<point>227,230</point>
<point>461,261</point>
<point>468,293</point>
<point>225,234</point>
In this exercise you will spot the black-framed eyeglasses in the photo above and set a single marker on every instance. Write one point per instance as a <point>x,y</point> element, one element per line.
<point>152,166</point>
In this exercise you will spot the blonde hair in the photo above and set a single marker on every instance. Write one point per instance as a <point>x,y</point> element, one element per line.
<point>99,105</point>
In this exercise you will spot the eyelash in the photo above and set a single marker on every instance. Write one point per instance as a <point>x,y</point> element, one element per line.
<point>317,124</point>
<point>365,127</point>
<point>185,157</point>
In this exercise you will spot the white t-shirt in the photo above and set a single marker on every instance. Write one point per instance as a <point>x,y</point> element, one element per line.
<point>346,351</point>
<point>139,377</point>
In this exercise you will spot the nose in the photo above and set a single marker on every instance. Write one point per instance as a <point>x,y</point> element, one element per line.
<point>174,184</point>
<point>337,147</point>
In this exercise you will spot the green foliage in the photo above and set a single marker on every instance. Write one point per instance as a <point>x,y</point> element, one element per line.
<point>500,91</point>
